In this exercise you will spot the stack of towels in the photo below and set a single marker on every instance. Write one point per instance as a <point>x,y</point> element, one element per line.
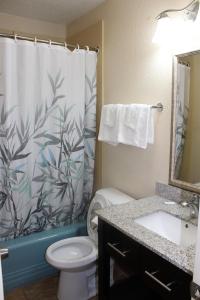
<point>127,124</point>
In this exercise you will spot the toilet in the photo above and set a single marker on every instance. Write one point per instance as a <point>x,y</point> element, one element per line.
<point>76,257</point>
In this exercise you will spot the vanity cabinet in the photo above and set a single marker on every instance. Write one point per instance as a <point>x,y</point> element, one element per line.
<point>149,276</point>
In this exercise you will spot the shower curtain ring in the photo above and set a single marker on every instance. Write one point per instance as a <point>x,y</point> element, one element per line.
<point>15,37</point>
<point>35,40</point>
<point>77,47</point>
<point>50,43</point>
<point>87,48</point>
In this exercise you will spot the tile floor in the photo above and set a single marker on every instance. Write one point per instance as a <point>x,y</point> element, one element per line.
<point>45,289</point>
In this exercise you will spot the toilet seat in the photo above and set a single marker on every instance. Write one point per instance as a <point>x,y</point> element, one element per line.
<point>73,252</point>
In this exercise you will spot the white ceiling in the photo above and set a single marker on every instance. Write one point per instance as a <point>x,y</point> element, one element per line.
<point>56,11</point>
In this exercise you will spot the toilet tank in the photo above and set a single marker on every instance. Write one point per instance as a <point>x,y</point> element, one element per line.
<point>103,198</point>
<point>112,196</point>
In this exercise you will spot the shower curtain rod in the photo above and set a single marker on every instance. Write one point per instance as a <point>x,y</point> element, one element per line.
<point>187,64</point>
<point>50,42</point>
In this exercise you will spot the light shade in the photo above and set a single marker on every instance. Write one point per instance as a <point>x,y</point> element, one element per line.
<point>163,30</point>
<point>178,27</point>
<point>176,34</point>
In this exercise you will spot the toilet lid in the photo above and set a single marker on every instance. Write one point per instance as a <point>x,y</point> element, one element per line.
<point>98,202</point>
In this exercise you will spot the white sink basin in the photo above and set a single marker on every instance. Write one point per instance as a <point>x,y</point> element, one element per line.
<point>170,227</point>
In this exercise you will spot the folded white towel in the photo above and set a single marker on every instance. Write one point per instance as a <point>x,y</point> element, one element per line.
<point>109,114</point>
<point>136,125</point>
<point>151,127</point>
<point>127,124</point>
<point>108,131</point>
<point>131,115</point>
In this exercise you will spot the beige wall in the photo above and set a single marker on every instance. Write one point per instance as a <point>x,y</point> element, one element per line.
<point>9,23</point>
<point>135,70</point>
<point>93,36</point>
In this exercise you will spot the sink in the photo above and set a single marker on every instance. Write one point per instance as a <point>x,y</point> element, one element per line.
<point>170,227</point>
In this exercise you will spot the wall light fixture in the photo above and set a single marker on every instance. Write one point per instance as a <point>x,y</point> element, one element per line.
<point>174,24</point>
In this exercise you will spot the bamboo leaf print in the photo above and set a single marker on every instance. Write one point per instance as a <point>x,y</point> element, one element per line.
<point>46,156</point>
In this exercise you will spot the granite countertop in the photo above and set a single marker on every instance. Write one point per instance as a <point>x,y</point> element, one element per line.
<point>122,217</point>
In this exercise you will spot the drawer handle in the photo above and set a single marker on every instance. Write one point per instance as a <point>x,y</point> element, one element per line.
<point>113,246</point>
<point>165,286</point>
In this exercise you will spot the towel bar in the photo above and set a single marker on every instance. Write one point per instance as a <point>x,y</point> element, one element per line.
<point>159,106</point>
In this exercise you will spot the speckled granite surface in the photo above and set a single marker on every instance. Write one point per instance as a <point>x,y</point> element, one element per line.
<point>122,217</point>
<point>172,193</point>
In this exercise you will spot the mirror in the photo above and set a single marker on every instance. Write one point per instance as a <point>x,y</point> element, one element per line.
<point>185,135</point>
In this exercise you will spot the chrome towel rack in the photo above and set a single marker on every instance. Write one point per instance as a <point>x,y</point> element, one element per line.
<point>159,107</point>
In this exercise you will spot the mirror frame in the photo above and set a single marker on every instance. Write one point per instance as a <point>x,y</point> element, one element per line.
<point>176,182</point>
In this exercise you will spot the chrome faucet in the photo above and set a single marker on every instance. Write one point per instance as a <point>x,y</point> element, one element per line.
<point>193,204</point>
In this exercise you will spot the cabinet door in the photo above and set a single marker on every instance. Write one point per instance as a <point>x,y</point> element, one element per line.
<point>127,253</point>
<point>124,250</point>
<point>164,278</point>
<point>103,263</point>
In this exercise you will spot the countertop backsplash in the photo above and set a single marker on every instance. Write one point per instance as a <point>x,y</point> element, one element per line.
<point>172,193</point>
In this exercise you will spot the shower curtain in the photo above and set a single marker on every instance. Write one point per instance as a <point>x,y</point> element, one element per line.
<point>47,136</point>
<point>182,108</point>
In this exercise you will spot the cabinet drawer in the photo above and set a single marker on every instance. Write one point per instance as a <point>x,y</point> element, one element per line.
<point>164,278</point>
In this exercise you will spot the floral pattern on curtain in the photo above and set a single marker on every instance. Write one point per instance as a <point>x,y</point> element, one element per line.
<point>47,136</point>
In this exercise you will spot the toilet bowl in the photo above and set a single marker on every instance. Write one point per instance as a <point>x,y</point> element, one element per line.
<point>76,252</point>
<point>76,257</point>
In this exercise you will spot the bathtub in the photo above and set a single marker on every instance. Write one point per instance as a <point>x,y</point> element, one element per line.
<point>26,260</point>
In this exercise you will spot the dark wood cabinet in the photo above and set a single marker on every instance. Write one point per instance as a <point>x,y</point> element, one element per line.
<point>149,275</point>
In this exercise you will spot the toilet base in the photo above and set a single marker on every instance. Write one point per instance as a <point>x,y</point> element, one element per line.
<point>80,285</point>
<point>75,285</point>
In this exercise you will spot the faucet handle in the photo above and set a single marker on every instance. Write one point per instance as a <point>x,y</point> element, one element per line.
<point>196,199</point>
<point>196,195</point>
<point>184,203</point>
